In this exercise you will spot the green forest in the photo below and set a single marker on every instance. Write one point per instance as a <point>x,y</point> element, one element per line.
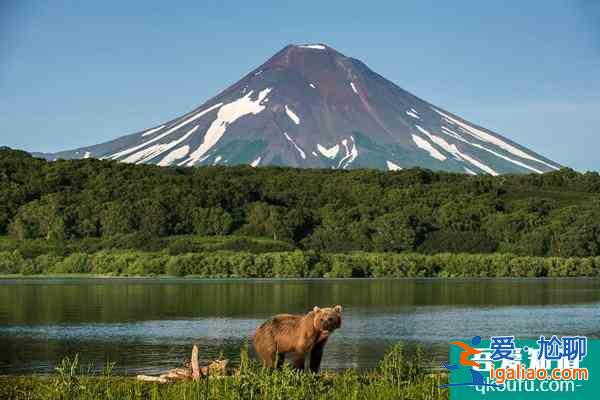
<point>66,207</point>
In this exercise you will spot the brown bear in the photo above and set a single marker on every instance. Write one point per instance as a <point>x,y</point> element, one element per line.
<point>296,334</point>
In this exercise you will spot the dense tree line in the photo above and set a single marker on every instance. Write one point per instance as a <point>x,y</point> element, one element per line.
<point>415,210</point>
<point>171,245</point>
<point>299,264</point>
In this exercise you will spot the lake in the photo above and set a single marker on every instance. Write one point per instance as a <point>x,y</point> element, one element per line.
<point>149,324</point>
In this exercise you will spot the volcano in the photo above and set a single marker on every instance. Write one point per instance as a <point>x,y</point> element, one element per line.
<point>310,106</point>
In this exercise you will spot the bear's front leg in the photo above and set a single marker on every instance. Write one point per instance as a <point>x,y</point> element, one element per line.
<point>299,361</point>
<point>316,355</point>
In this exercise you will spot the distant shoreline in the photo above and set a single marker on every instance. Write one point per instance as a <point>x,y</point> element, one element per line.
<point>293,264</point>
<point>21,277</point>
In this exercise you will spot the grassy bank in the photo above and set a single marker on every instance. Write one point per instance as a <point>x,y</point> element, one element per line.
<point>395,377</point>
<point>296,264</point>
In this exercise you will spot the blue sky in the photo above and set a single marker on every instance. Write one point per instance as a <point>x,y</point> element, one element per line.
<point>75,73</point>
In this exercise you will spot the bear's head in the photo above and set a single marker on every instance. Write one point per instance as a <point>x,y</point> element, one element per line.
<point>327,319</point>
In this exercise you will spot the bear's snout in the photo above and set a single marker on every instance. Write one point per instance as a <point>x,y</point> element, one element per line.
<point>331,323</point>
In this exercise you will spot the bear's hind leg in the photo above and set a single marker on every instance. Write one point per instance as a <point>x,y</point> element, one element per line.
<point>299,361</point>
<point>269,359</point>
<point>268,355</point>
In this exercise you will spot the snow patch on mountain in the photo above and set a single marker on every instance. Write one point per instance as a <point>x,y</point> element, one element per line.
<point>392,166</point>
<point>519,163</point>
<point>292,115</point>
<point>174,155</point>
<point>156,150</point>
<point>486,137</point>
<point>228,114</point>
<point>479,164</point>
<point>428,147</point>
<point>351,153</point>
<point>217,159</point>
<point>312,85</point>
<point>413,114</point>
<point>140,155</point>
<point>295,145</point>
<point>455,135</point>
<point>329,152</point>
<point>168,132</point>
<point>255,162</point>
<point>151,131</point>
<point>452,149</point>
<point>312,46</point>
<point>353,87</point>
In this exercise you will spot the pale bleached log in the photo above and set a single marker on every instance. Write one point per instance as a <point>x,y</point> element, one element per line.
<point>183,372</point>
<point>147,378</point>
<point>191,370</point>
<point>194,364</point>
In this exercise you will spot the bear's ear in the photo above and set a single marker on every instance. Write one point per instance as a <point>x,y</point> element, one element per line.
<point>316,309</point>
<point>338,308</point>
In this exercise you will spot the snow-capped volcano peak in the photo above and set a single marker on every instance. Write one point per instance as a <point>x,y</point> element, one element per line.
<point>311,106</point>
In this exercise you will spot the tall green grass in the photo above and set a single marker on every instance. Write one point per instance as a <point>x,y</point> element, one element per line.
<point>396,377</point>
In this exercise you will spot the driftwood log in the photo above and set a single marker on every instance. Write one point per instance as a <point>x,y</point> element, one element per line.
<point>191,371</point>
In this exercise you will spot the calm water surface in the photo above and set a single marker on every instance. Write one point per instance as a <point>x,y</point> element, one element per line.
<point>148,325</point>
